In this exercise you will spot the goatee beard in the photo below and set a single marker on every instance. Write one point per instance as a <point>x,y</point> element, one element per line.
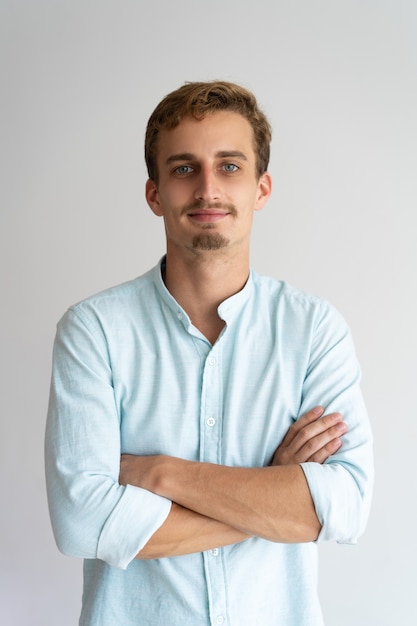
<point>209,241</point>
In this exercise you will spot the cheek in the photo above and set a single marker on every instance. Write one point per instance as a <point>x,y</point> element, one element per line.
<point>176,196</point>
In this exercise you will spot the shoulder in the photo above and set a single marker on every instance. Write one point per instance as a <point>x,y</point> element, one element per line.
<point>122,293</point>
<point>292,304</point>
<point>114,305</point>
<point>280,291</point>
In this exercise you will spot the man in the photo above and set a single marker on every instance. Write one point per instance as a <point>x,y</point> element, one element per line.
<point>189,459</point>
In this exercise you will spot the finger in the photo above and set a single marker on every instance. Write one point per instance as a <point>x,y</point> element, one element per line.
<point>327,451</point>
<point>320,441</point>
<point>304,442</point>
<point>309,417</point>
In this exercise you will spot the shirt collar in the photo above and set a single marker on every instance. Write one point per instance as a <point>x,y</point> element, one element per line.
<point>227,310</point>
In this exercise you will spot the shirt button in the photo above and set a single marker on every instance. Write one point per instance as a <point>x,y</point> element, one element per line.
<point>179,315</point>
<point>211,421</point>
<point>214,552</point>
<point>219,619</point>
<point>212,360</point>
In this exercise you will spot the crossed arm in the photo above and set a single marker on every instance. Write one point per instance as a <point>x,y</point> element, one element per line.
<point>215,505</point>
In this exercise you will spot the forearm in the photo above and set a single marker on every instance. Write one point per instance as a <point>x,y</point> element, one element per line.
<point>273,502</point>
<point>269,502</point>
<point>186,532</point>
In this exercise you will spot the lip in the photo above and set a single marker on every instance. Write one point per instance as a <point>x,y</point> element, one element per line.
<point>207,215</point>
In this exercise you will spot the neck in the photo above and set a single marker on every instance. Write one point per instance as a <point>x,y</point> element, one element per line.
<point>202,282</point>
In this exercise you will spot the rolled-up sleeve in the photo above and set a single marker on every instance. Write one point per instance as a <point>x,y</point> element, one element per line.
<point>341,488</point>
<point>92,515</point>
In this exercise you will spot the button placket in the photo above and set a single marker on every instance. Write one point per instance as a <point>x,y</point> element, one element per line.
<point>214,566</point>
<point>210,424</point>
<point>210,452</point>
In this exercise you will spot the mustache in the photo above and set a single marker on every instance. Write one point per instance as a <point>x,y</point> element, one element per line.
<point>205,206</point>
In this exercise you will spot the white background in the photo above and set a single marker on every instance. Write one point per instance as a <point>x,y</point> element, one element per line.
<point>338,80</point>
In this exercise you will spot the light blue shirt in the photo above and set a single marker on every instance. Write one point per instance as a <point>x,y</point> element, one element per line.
<point>132,374</point>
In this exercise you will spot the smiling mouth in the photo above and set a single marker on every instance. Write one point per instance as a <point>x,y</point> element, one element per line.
<point>208,215</point>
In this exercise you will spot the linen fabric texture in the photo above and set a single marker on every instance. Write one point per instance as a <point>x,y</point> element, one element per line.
<point>131,374</point>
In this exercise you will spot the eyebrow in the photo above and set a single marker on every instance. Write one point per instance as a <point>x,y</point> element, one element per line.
<point>222,154</point>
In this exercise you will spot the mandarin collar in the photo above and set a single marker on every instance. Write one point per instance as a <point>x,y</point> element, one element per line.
<point>227,310</point>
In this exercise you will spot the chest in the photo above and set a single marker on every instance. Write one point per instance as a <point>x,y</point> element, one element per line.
<point>231,402</point>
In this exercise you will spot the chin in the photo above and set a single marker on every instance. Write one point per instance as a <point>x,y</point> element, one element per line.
<point>210,241</point>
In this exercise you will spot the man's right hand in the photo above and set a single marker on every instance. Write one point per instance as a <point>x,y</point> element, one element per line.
<point>314,437</point>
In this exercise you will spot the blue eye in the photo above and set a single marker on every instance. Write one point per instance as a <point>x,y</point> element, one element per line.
<point>230,167</point>
<point>183,169</point>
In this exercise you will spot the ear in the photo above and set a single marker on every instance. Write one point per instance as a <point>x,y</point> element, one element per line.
<point>264,191</point>
<point>152,197</point>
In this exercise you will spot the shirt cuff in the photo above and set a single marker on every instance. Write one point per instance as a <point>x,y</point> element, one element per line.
<point>337,500</point>
<point>136,517</point>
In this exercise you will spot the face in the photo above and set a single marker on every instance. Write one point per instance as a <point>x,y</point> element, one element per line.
<point>208,189</point>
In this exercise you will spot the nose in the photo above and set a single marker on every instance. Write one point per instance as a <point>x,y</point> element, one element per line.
<point>207,188</point>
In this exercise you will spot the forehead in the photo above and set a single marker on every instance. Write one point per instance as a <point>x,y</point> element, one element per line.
<point>217,132</point>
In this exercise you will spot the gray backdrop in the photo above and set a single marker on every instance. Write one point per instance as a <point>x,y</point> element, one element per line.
<point>338,80</point>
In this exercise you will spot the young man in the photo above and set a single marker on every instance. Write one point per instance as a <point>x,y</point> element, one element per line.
<point>189,460</point>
